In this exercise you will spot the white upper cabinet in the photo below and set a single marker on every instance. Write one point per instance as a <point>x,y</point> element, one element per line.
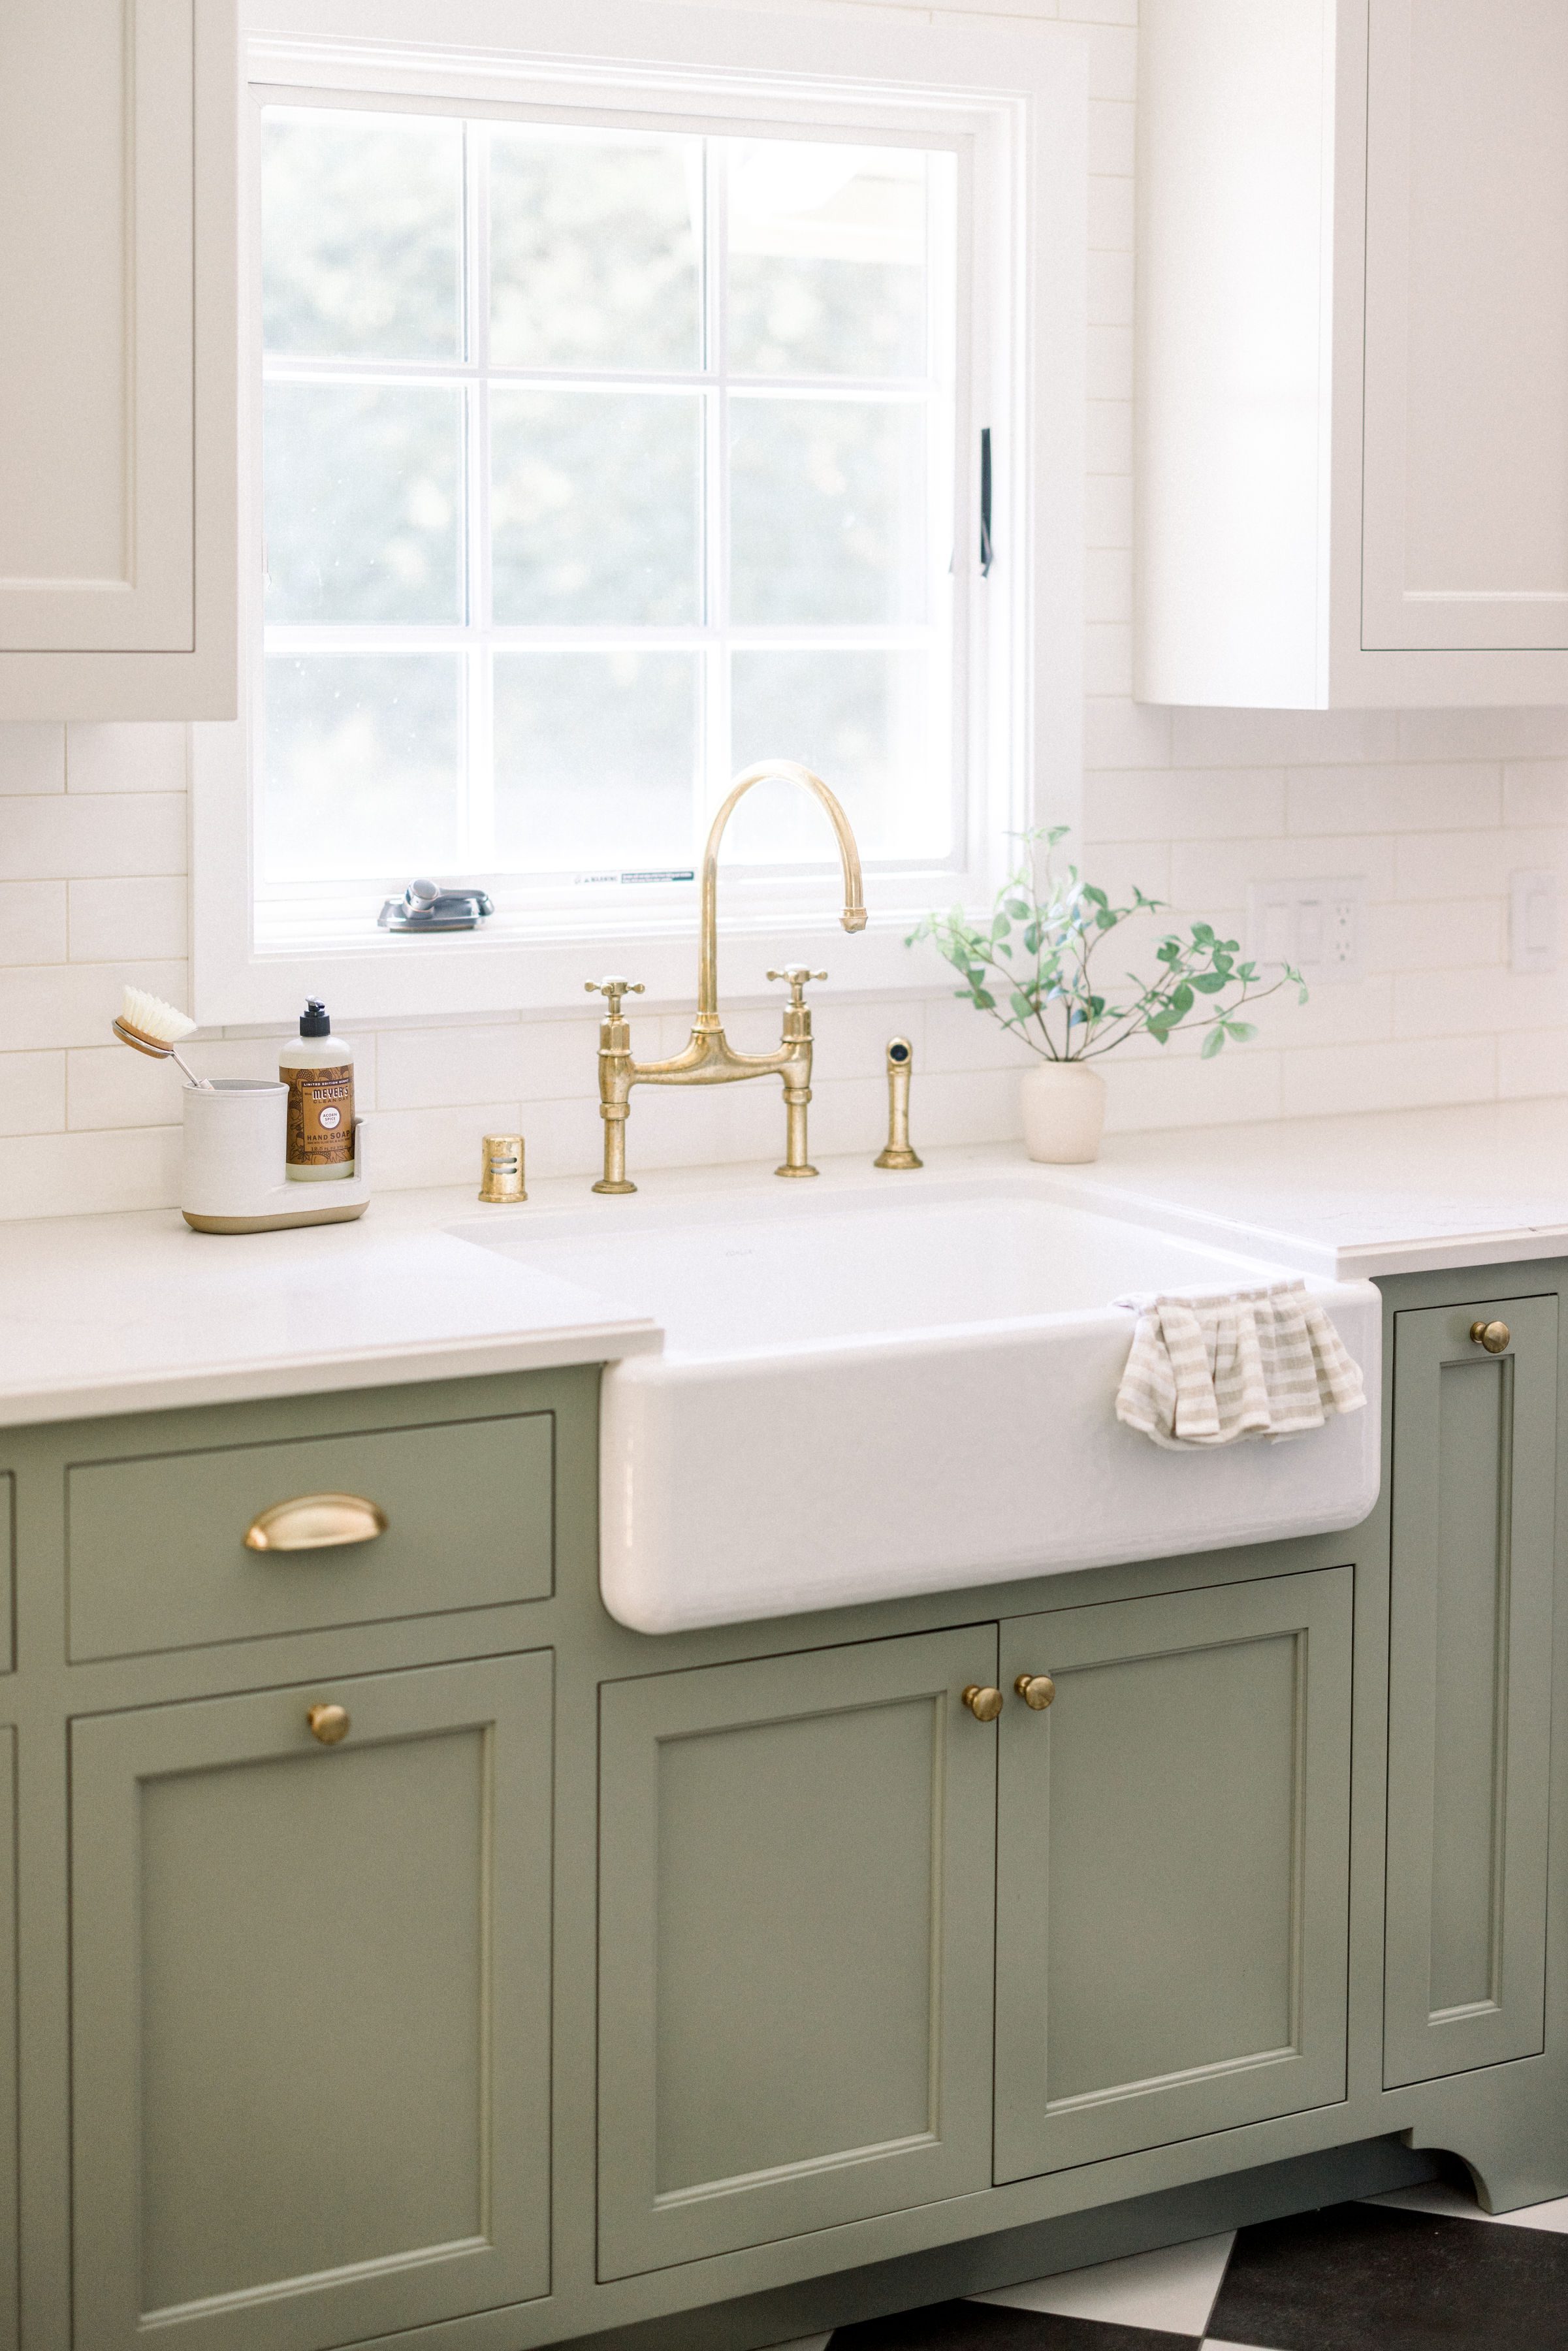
<point>117,359</point>
<point>1353,353</point>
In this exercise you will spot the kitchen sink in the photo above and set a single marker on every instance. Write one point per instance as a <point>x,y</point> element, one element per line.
<point>868,1394</point>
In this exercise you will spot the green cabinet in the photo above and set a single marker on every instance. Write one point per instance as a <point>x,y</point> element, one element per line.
<point>1473,1560</point>
<point>310,2004</point>
<point>1173,1868</point>
<point>796,1903</point>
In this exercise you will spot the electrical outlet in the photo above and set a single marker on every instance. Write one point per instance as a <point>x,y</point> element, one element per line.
<point>1316,925</point>
<point>1532,922</point>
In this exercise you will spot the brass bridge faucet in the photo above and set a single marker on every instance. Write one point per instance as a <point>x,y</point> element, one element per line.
<point>710,1060</point>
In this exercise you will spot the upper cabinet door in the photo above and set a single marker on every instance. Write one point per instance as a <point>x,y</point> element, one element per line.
<point>1466,519</point>
<point>118,358</point>
<point>1352,353</point>
<point>1470,1693</point>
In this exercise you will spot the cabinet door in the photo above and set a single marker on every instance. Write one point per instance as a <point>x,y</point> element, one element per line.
<point>1466,462</point>
<point>118,360</point>
<point>1173,1868</point>
<point>796,1892</point>
<point>312,2011</point>
<point>1474,1451</point>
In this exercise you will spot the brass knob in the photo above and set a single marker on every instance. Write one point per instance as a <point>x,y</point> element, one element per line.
<point>327,1723</point>
<point>1493,1336</point>
<point>1037,1690</point>
<point>984,1703</point>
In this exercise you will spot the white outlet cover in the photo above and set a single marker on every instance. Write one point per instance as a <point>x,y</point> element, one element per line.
<point>1318,925</point>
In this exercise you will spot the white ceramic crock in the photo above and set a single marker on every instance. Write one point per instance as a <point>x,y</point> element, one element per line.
<point>1064,1111</point>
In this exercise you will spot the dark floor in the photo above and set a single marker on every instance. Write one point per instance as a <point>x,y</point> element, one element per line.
<point>1422,2272</point>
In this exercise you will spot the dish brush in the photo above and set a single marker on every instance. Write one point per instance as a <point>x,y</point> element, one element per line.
<point>150,1026</point>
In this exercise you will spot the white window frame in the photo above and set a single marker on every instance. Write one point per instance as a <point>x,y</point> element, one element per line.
<point>1013,99</point>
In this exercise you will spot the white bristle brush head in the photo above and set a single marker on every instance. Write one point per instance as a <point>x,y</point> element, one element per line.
<point>151,1018</point>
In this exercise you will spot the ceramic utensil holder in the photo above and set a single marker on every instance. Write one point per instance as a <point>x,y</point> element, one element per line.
<point>233,1180</point>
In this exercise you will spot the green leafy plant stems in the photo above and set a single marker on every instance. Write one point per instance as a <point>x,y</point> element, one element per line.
<point>1035,955</point>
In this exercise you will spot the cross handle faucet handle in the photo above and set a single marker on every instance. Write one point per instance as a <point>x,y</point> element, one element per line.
<point>797,975</point>
<point>614,987</point>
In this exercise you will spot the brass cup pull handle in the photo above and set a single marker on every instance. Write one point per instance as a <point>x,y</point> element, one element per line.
<point>983,1703</point>
<point>315,1522</point>
<point>327,1723</point>
<point>1037,1690</point>
<point>1493,1336</point>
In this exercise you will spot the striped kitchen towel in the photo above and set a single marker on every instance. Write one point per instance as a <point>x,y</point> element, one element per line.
<point>1237,1363</point>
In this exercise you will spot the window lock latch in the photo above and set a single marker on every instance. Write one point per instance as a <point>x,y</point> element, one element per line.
<point>428,907</point>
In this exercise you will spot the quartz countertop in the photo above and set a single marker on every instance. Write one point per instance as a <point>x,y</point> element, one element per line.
<point>1384,1192</point>
<point>117,1314</point>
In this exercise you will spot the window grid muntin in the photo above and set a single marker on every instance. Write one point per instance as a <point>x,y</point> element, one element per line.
<point>713,638</point>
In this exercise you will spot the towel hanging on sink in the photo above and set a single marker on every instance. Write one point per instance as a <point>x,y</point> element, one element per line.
<point>1210,1370</point>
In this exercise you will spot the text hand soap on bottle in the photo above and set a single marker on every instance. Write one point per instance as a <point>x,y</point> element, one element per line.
<point>319,1074</point>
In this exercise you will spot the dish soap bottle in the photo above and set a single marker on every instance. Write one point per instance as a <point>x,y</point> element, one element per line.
<point>319,1074</point>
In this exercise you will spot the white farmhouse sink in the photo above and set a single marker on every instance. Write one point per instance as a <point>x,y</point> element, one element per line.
<point>868,1395</point>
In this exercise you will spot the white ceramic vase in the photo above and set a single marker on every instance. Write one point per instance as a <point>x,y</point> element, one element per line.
<point>1064,1111</point>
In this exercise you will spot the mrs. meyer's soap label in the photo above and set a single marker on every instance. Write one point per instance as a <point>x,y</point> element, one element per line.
<point>320,1116</point>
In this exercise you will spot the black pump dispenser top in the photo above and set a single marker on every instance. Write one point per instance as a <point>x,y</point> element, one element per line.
<point>313,1021</point>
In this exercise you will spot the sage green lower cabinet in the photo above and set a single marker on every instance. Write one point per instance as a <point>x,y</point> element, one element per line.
<point>796,1905</point>
<point>310,2001</point>
<point>1173,1868</point>
<point>1470,1687</point>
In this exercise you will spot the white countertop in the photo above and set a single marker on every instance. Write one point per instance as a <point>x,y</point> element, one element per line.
<point>101,1314</point>
<point>1386,1192</point>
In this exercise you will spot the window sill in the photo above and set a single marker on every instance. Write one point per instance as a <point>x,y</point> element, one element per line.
<point>393,976</point>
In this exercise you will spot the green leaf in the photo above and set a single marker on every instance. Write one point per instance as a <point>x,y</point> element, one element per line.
<point>1202,934</point>
<point>1242,1030</point>
<point>1181,1001</point>
<point>1021,1006</point>
<point>1209,983</point>
<point>1212,1043</point>
<point>987,1002</point>
<point>1095,897</point>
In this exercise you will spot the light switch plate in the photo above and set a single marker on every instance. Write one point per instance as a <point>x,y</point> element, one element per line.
<point>1316,925</point>
<point>1534,922</point>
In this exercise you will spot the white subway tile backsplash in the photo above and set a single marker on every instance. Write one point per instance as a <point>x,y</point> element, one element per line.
<point>1467,864</point>
<point>1110,326</point>
<point>1108,584</point>
<point>1267,738</point>
<point>1535,792</point>
<point>143,756</point>
<point>32,921</point>
<point>1483,733</point>
<point>88,1175</point>
<point>32,1094</point>
<point>1375,798</point>
<point>1205,871</point>
<point>1450,935</point>
<point>1415,1074</point>
<point>1112,138</point>
<point>1533,1063</point>
<point>1192,804</point>
<point>74,837</point>
<point>1118,733</point>
<point>50,1005</point>
<point>1108,510</point>
<point>113,921</point>
<point>1241,1082</point>
<point>32,758</point>
<point>1112,62</point>
<point>1108,657</point>
<point>1108,437</point>
<point>1111,215</point>
<point>110,1086</point>
<point>1478,1003</point>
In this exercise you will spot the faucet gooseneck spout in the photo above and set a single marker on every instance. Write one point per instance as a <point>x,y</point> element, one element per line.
<point>788,771</point>
<point>708,1058</point>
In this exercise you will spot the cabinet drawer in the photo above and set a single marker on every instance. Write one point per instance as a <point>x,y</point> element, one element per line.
<point>157,1553</point>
